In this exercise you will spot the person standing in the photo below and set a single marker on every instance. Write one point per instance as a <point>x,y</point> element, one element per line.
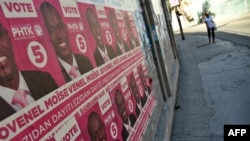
<point>210,26</point>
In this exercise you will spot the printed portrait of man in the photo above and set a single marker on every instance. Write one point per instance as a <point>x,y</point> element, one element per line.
<point>103,52</point>
<point>133,41</point>
<point>19,88</point>
<point>96,127</point>
<point>128,120</point>
<point>147,89</point>
<point>121,46</point>
<point>72,64</point>
<point>140,101</point>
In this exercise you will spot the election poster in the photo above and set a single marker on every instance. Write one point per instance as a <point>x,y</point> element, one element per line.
<point>27,39</point>
<point>71,70</point>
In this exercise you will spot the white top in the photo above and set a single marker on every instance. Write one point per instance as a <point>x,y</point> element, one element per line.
<point>209,22</point>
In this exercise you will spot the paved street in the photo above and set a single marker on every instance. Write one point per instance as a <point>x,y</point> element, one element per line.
<point>214,81</point>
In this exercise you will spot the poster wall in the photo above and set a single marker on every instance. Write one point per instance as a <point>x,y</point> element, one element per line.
<point>71,71</point>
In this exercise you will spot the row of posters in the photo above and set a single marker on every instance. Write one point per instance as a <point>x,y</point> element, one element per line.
<point>71,71</point>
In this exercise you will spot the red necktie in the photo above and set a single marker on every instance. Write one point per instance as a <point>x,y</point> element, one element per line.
<point>19,98</point>
<point>73,71</point>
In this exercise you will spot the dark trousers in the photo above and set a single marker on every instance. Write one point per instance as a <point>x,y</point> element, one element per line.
<point>209,33</point>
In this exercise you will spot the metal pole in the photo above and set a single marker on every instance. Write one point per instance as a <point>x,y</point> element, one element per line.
<point>179,22</point>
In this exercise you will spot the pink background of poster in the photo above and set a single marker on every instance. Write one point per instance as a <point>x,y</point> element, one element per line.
<point>120,23</point>
<point>82,119</point>
<point>27,30</point>
<point>126,102</point>
<point>52,66</point>
<point>103,21</point>
<point>72,33</point>
<point>131,22</point>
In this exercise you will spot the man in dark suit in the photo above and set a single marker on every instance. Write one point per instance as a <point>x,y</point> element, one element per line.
<point>140,100</point>
<point>128,120</point>
<point>72,65</point>
<point>19,88</point>
<point>121,46</point>
<point>146,88</point>
<point>133,42</point>
<point>103,52</point>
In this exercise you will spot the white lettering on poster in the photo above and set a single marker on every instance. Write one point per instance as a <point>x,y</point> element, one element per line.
<point>69,8</point>
<point>19,31</point>
<point>37,54</point>
<point>35,133</point>
<point>130,105</point>
<point>108,37</point>
<point>58,96</point>
<point>20,122</point>
<point>116,61</point>
<point>114,130</point>
<point>73,27</point>
<point>104,24</point>
<point>81,43</point>
<point>62,94</point>
<point>106,68</point>
<point>69,131</point>
<point>91,101</point>
<point>93,75</point>
<point>96,87</point>
<point>127,95</point>
<point>105,103</point>
<point>62,113</point>
<point>109,118</point>
<point>118,14</point>
<point>100,11</point>
<point>18,9</point>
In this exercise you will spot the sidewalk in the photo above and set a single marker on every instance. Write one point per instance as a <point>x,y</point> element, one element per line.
<point>213,87</point>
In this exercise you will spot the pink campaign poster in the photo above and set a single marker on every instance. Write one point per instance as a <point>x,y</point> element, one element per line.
<point>117,28</point>
<point>145,80</point>
<point>27,36</point>
<point>100,37</point>
<point>63,58</point>
<point>100,122</point>
<point>134,40</point>
<point>124,107</point>
<point>136,93</point>
<point>28,66</point>
<point>67,37</point>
